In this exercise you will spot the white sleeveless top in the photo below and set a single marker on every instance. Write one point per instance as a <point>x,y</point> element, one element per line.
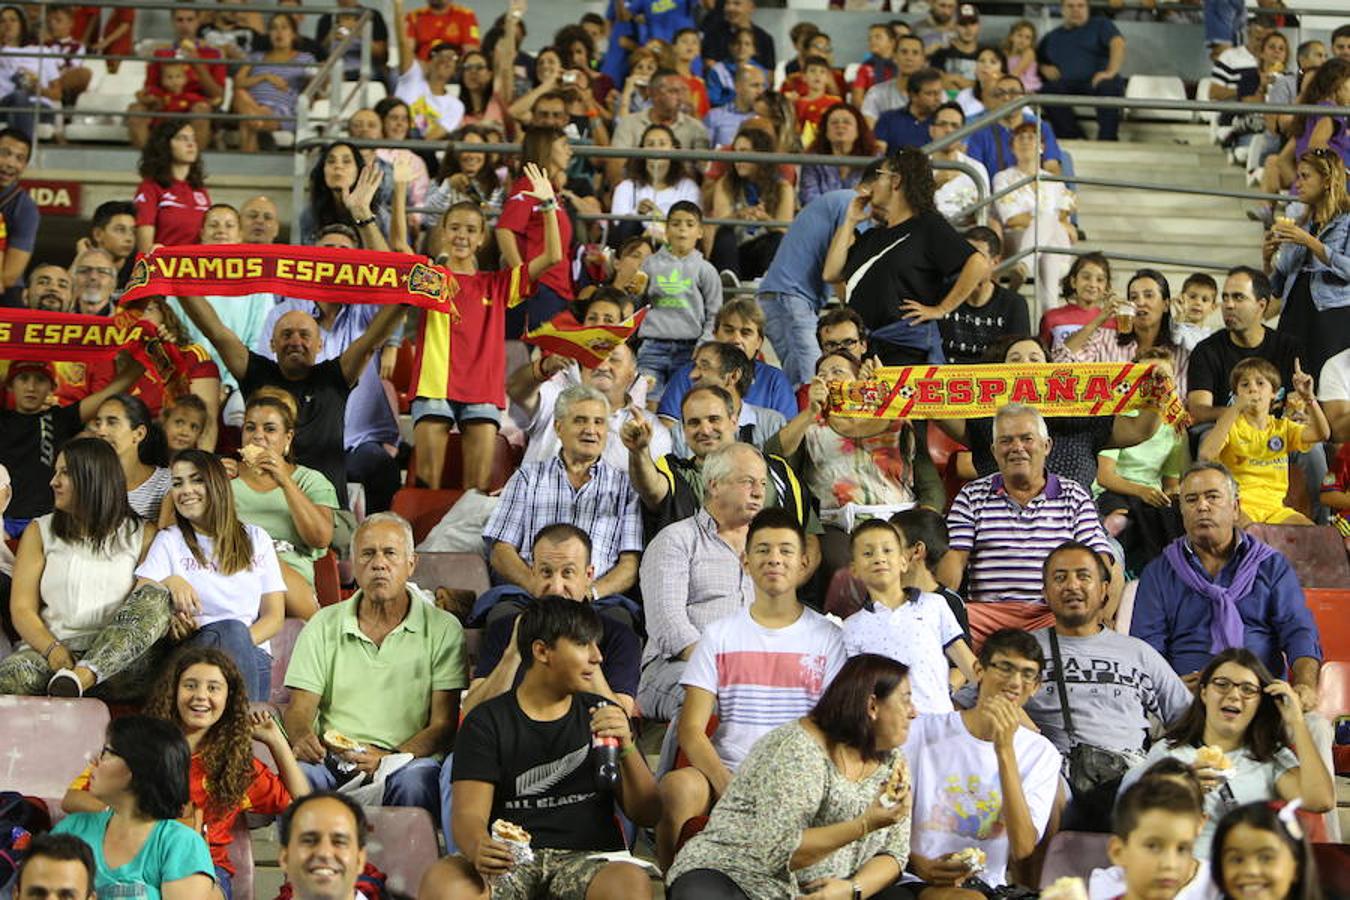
<point>81,589</point>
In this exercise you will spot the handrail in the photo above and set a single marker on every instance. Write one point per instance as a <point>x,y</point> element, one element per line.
<point>146,114</point>
<point>336,55</point>
<point>50,53</point>
<point>233,8</point>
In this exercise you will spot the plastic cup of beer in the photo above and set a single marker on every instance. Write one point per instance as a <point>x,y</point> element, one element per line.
<point>1125,318</point>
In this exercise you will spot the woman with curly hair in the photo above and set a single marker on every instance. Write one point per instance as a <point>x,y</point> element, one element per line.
<point>748,190</point>
<point>172,199</point>
<point>843,132</point>
<point>653,185</point>
<point>203,694</point>
<point>912,255</point>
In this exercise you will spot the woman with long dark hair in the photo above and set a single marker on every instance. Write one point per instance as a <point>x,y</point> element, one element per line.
<point>140,847</point>
<point>653,185</point>
<point>128,427</point>
<point>223,575</point>
<point>1261,847</point>
<point>843,132</point>
<point>748,190</point>
<point>203,694</point>
<point>172,199</point>
<point>812,805</point>
<point>330,181</point>
<point>83,627</point>
<point>520,229</point>
<point>269,87</point>
<point>481,88</point>
<point>1255,720</point>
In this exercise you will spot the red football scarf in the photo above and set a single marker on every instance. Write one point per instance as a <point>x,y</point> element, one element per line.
<point>590,345</point>
<point>71,337</point>
<point>325,274</point>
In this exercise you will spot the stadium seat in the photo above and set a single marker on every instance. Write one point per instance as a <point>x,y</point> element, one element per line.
<point>283,642</point>
<point>45,742</point>
<point>1074,853</point>
<point>1329,608</point>
<point>465,571</point>
<point>1317,554</point>
<point>402,844</point>
<point>1333,868</point>
<point>504,462</point>
<point>327,582</point>
<point>241,857</point>
<point>424,507</point>
<point>403,372</point>
<point>1157,87</point>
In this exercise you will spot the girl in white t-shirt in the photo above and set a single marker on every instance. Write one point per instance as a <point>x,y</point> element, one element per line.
<point>913,627</point>
<point>223,575</point>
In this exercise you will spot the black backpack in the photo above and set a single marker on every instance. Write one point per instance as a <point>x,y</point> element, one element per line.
<point>20,819</point>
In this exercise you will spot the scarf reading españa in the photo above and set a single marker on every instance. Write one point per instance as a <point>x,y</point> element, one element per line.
<point>976,391</point>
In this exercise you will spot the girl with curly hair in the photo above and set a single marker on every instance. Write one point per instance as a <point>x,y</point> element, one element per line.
<point>202,692</point>
<point>843,132</point>
<point>172,199</point>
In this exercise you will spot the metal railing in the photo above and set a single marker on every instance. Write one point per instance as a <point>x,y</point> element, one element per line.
<point>44,114</point>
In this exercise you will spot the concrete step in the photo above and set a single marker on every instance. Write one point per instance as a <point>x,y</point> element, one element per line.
<point>1123,154</point>
<point>1216,253</point>
<point>1182,176</point>
<point>1115,201</point>
<point>1163,229</point>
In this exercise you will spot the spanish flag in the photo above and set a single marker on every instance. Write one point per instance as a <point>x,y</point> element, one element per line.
<point>589,345</point>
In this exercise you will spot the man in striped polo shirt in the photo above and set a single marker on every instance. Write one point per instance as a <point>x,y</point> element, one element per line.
<point>1003,526</point>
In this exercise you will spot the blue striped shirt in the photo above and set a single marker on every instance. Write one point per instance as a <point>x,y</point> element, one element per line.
<point>1008,543</point>
<point>539,494</point>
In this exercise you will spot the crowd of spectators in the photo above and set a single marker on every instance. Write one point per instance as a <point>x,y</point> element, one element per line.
<point>681,533</point>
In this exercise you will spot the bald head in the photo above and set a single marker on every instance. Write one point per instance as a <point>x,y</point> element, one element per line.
<point>296,343</point>
<point>261,221</point>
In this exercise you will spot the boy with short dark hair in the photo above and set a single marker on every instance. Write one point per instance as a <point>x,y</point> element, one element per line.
<point>990,312</point>
<point>1199,296</point>
<point>1157,821</point>
<point>527,757</point>
<point>685,293</point>
<point>983,785</point>
<point>1255,445</point>
<point>923,536</point>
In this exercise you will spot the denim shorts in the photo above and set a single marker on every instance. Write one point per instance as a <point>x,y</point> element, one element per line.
<point>659,359</point>
<point>454,410</point>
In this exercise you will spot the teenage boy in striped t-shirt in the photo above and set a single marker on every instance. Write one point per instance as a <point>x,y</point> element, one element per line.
<point>759,668</point>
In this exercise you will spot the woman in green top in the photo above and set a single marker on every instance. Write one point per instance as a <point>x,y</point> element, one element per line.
<point>293,504</point>
<point>811,810</point>
<point>140,850</point>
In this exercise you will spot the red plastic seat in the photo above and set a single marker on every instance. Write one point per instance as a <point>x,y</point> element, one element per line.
<point>1074,854</point>
<point>1333,868</point>
<point>46,742</point>
<point>1317,553</point>
<point>241,857</point>
<point>402,844</point>
<point>942,450</point>
<point>1330,607</point>
<point>327,582</point>
<point>283,643</point>
<point>403,372</point>
<point>423,507</point>
<point>504,462</point>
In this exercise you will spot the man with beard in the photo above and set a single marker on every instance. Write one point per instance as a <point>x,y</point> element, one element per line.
<point>1114,683</point>
<point>95,278</point>
<point>49,289</point>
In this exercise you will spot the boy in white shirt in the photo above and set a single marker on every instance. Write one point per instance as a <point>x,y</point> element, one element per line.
<point>759,668</point>
<point>906,624</point>
<point>980,780</point>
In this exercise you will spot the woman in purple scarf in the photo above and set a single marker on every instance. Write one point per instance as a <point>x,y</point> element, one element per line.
<point>1247,739</point>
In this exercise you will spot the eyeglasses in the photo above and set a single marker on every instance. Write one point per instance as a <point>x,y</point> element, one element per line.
<point>1008,670</point>
<point>108,751</point>
<point>845,344</point>
<point>1245,688</point>
<point>86,271</point>
<point>1006,94</point>
<point>473,67</point>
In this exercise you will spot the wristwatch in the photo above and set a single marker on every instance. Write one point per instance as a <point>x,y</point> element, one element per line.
<point>857,891</point>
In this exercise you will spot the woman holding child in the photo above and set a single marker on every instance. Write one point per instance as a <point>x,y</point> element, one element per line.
<point>814,807</point>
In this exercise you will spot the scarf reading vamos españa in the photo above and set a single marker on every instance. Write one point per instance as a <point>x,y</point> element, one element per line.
<point>976,391</point>
<point>322,274</point>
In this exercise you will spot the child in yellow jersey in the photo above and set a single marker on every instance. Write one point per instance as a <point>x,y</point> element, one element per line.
<point>1255,446</point>
<point>459,373</point>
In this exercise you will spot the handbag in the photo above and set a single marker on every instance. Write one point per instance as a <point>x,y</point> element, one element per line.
<point>1091,768</point>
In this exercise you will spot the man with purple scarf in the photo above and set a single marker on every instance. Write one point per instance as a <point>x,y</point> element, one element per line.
<point>1219,587</point>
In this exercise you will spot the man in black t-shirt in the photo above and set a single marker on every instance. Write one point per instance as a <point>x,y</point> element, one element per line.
<point>1245,299</point>
<point>897,274</point>
<point>31,435</point>
<point>991,312</point>
<point>526,757</point>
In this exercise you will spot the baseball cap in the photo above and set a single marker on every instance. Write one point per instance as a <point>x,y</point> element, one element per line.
<point>36,366</point>
<point>967,13</point>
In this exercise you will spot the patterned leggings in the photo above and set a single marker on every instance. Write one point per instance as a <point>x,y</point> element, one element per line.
<point>123,654</point>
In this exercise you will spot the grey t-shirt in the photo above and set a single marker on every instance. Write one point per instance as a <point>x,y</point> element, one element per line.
<point>1115,683</point>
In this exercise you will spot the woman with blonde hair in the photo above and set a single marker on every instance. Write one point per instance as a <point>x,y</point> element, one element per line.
<point>293,504</point>
<point>1308,259</point>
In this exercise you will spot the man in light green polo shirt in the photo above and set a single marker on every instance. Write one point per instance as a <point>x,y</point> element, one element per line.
<point>383,669</point>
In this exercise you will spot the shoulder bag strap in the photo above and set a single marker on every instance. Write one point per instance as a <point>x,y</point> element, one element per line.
<point>1059,683</point>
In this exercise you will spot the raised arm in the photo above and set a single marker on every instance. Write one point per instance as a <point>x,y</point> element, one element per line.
<point>128,372</point>
<point>837,255</point>
<point>231,349</point>
<point>636,434</point>
<point>407,54</point>
<point>541,189</point>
